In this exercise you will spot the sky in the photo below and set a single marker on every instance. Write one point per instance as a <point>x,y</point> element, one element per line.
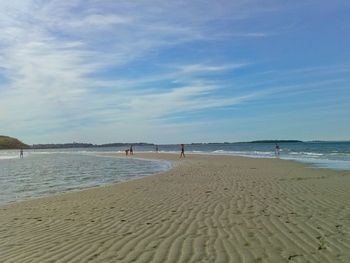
<point>158,71</point>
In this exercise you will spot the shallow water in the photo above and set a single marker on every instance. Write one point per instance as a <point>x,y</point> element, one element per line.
<point>40,174</point>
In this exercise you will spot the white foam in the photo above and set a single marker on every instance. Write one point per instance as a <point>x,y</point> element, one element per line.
<point>8,157</point>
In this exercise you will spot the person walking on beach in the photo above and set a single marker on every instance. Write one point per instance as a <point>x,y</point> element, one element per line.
<point>156,148</point>
<point>277,150</point>
<point>182,154</point>
<point>131,150</point>
<point>21,154</point>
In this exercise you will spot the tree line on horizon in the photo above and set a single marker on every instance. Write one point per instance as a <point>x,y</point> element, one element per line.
<point>7,142</point>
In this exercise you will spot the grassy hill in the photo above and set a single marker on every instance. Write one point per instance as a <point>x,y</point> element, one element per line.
<point>11,143</point>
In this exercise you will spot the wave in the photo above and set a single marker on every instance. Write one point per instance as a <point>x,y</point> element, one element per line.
<point>340,161</point>
<point>322,162</point>
<point>245,153</point>
<point>8,157</point>
<point>9,154</point>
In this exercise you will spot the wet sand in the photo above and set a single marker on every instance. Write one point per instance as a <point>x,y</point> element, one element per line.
<point>205,209</point>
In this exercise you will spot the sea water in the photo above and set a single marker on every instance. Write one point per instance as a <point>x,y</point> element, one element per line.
<point>42,173</point>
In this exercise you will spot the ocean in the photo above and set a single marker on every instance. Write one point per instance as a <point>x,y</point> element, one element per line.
<point>45,172</point>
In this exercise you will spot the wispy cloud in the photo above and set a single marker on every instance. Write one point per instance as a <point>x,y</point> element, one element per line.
<point>88,65</point>
<point>194,68</point>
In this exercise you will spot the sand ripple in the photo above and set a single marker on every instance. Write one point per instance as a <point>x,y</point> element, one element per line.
<point>206,209</point>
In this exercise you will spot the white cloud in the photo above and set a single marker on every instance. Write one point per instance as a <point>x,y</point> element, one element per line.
<point>52,52</point>
<point>197,68</point>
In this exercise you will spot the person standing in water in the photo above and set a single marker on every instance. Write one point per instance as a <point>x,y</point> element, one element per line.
<point>131,150</point>
<point>21,154</point>
<point>182,154</point>
<point>277,150</point>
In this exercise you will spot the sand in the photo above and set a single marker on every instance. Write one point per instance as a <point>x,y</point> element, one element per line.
<point>205,209</point>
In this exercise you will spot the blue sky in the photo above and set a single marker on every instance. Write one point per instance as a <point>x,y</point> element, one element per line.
<point>174,71</point>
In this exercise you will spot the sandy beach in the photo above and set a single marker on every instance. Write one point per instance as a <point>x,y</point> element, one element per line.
<point>205,209</point>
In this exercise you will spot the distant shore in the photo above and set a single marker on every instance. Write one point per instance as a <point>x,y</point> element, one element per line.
<point>90,145</point>
<point>205,209</point>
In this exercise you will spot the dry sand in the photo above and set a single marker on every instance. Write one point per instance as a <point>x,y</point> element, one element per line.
<point>206,209</point>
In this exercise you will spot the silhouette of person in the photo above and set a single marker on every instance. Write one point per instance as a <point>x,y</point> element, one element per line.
<point>182,154</point>
<point>156,148</point>
<point>21,153</point>
<point>277,150</point>
<point>131,150</point>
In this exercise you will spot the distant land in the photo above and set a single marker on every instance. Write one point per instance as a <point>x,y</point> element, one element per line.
<point>90,145</point>
<point>7,142</point>
<point>86,145</point>
<point>277,141</point>
<point>258,141</point>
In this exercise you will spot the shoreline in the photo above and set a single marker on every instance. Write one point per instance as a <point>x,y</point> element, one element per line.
<point>205,208</point>
<point>339,164</point>
<point>149,158</point>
